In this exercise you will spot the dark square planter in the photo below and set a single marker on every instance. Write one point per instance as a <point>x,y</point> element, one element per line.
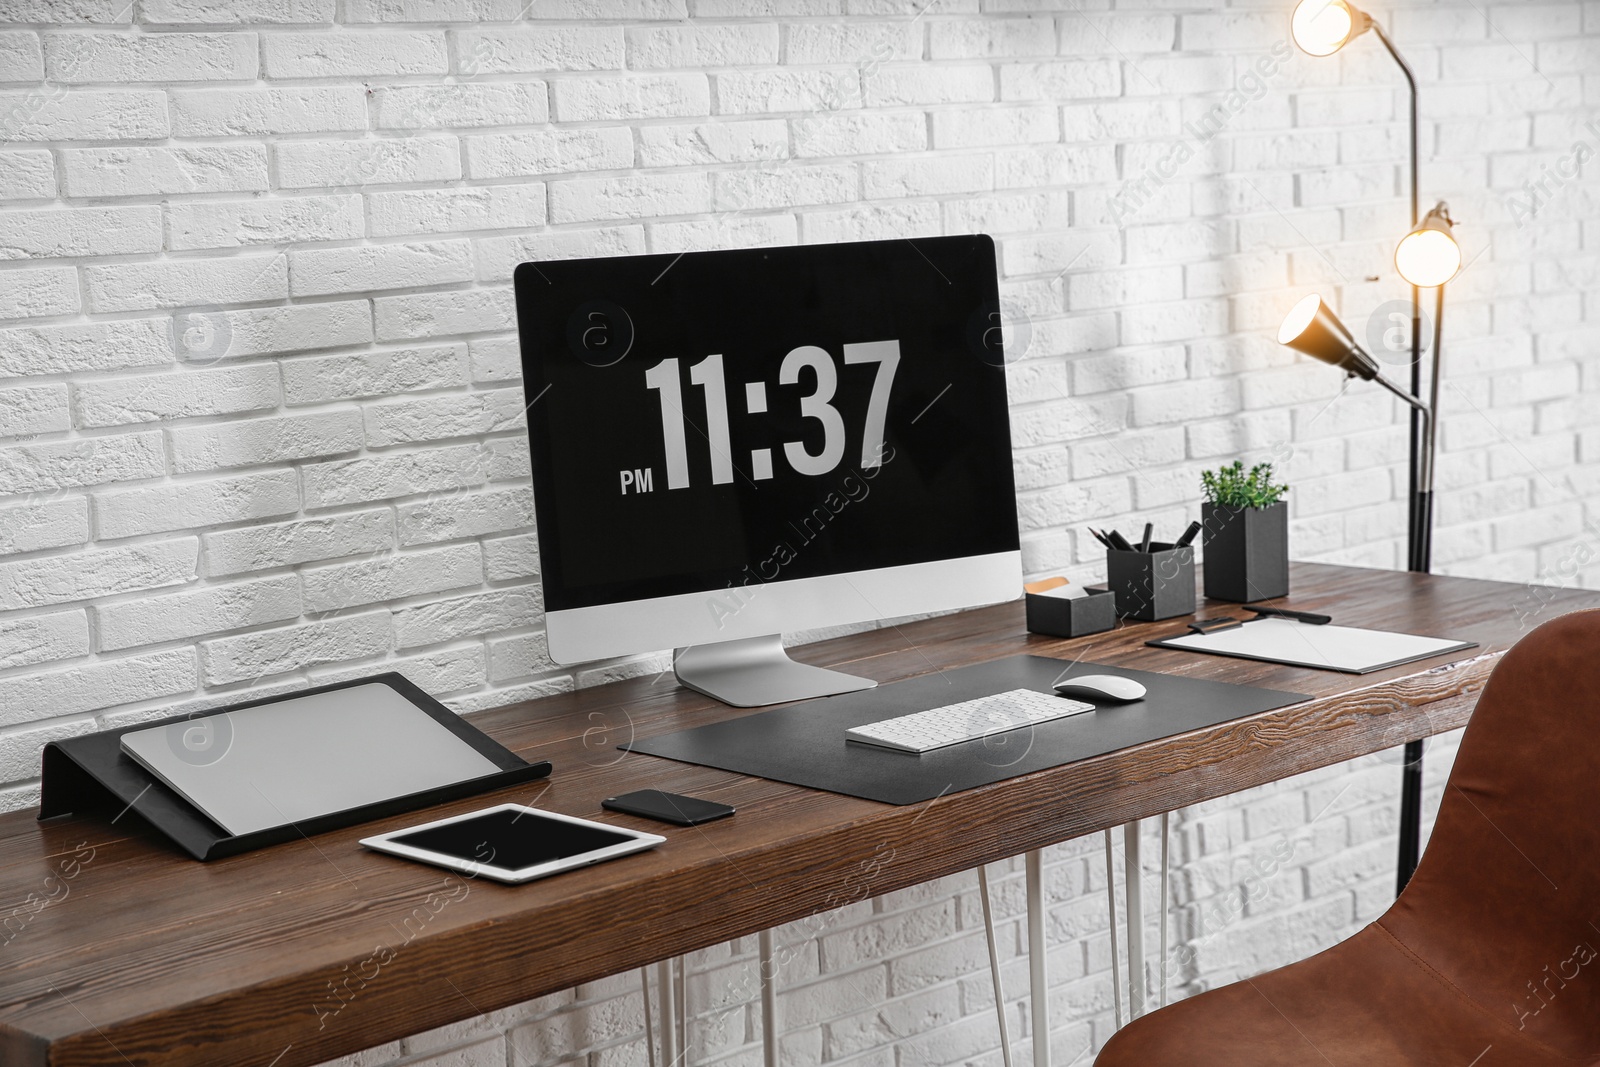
<point>1247,552</point>
<point>1158,584</point>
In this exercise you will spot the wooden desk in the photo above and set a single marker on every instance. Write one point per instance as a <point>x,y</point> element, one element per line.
<point>146,957</point>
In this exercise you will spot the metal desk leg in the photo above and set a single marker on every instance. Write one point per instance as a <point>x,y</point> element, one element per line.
<point>1111,901</point>
<point>681,991</point>
<point>1164,870</point>
<point>994,968</point>
<point>1038,974</point>
<point>1136,988</point>
<point>649,1030</point>
<point>769,1002</point>
<point>669,1013</point>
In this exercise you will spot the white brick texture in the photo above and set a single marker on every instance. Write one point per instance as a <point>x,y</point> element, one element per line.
<point>261,418</point>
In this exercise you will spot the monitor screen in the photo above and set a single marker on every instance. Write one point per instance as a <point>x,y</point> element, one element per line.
<point>728,418</point>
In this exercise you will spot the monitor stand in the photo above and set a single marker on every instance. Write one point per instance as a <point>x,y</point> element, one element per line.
<point>756,671</point>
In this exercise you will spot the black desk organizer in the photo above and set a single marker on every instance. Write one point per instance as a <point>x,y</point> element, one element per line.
<point>1153,585</point>
<point>1063,617</point>
<point>91,774</point>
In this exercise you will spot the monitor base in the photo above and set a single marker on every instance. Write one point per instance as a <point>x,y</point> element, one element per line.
<point>756,671</point>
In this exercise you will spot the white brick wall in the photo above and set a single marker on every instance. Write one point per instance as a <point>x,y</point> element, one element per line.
<point>260,419</point>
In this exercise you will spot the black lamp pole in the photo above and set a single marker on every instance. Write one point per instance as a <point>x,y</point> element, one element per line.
<point>1419,539</point>
<point>1320,29</point>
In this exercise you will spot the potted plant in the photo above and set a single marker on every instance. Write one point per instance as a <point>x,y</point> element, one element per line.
<point>1246,526</point>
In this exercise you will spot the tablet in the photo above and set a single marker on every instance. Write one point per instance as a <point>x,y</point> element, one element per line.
<point>512,843</point>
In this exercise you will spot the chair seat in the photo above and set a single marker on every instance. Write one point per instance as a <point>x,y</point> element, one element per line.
<point>1366,1002</point>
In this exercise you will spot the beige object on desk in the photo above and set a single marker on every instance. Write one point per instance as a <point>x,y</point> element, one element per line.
<point>1056,587</point>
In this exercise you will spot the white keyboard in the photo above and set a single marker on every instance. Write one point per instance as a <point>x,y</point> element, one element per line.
<point>924,731</point>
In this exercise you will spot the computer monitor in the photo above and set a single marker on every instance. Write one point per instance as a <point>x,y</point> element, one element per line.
<point>729,445</point>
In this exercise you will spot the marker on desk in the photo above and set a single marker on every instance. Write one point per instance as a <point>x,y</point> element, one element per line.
<point>1212,625</point>
<point>1119,542</point>
<point>1188,535</point>
<point>1310,618</point>
<point>1144,545</point>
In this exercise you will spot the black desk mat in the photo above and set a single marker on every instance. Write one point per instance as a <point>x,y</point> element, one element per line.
<point>804,744</point>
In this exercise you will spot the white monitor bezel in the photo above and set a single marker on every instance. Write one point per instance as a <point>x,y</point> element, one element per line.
<point>631,627</point>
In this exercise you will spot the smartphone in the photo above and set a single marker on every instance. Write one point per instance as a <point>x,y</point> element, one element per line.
<point>667,807</point>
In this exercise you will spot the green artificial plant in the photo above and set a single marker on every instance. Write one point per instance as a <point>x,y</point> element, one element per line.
<point>1234,487</point>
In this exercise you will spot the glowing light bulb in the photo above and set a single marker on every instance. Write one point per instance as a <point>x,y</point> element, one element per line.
<point>1299,317</point>
<point>1322,27</point>
<point>1311,327</point>
<point>1428,256</point>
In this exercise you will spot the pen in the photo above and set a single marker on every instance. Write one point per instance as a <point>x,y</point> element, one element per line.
<point>1310,618</point>
<point>1119,542</point>
<point>1188,535</point>
<point>1144,545</point>
<point>1211,626</point>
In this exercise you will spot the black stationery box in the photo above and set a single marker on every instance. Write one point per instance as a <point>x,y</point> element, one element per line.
<point>1056,616</point>
<point>1158,584</point>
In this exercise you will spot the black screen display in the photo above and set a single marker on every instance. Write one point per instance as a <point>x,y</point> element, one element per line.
<point>511,839</point>
<point>723,418</point>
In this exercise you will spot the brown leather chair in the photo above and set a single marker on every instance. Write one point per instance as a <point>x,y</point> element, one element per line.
<point>1491,956</point>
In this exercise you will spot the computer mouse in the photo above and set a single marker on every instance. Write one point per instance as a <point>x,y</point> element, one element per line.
<point>1110,687</point>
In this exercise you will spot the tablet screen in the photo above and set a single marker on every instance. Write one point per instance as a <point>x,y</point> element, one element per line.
<point>511,839</point>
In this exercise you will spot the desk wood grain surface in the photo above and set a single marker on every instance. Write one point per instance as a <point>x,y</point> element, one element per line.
<point>302,952</point>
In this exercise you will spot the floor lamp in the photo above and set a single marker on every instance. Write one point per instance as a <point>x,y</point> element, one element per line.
<point>1427,257</point>
<point>1321,28</point>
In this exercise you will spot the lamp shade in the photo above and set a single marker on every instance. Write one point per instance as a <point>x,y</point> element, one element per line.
<point>1312,327</point>
<point>1428,255</point>
<point>1322,27</point>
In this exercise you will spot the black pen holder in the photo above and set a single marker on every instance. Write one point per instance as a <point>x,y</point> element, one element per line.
<point>1055,616</point>
<point>1158,584</point>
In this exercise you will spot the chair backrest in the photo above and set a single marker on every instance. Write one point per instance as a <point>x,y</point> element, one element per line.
<point>1506,901</point>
